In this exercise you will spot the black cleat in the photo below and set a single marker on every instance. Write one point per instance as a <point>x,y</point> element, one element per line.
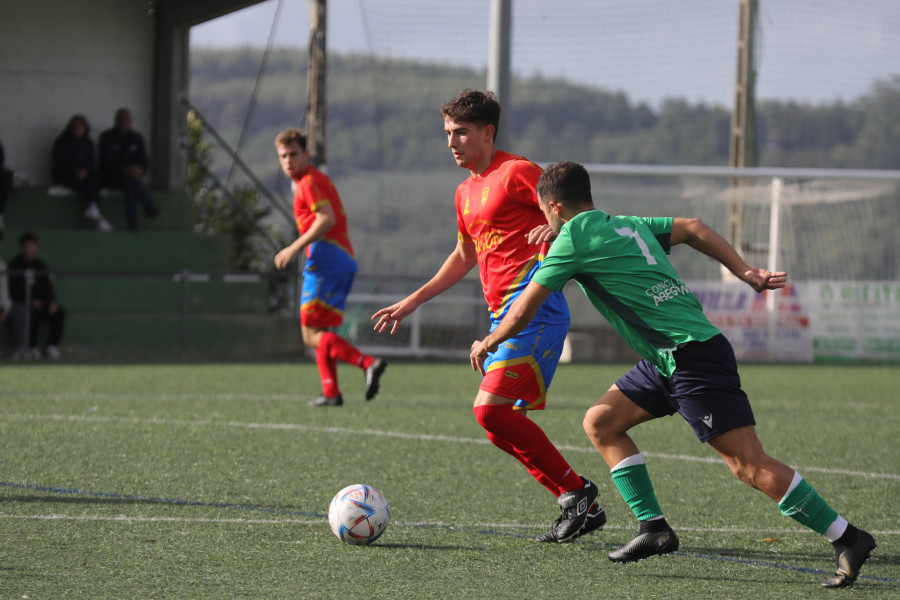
<point>646,545</point>
<point>851,560</point>
<point>596,519</point>
<point>574,507</point>
<point>373,376</point>
<point>327,401</point>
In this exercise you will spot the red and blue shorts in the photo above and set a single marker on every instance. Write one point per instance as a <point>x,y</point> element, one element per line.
<point>523,366</point>
<point>323,296</point>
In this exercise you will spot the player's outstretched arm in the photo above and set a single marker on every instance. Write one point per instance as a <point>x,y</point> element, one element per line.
<point>460,262</point>
<point>699,236</point>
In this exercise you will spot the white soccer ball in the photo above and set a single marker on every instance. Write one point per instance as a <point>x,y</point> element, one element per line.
<point>358,514</point>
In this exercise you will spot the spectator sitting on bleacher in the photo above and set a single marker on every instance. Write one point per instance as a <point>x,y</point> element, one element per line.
<point>123,162</point>
<point>6,185</point>
<point>74,166</point>
<point>36,288</point>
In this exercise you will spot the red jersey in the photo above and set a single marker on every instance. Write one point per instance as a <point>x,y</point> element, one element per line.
<point>495,211</point>
<point>313,190</point>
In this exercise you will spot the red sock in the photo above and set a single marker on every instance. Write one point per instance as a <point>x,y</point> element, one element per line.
<point>342,350</point>
<point>508,448</point>
<point>532,445</point>
<point>327,371</point>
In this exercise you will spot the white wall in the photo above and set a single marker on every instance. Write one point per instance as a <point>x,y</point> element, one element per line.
<point>61,57</point>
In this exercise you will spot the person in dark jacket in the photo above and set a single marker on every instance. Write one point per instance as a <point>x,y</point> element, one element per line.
<point>6,184</point>
<point>123,163</point>
<point>33,302</point>
<point>74,166</point>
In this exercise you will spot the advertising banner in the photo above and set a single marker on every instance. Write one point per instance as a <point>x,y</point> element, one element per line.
<point>855,320</point>
<point>759,328</point>
<point>806,322</point>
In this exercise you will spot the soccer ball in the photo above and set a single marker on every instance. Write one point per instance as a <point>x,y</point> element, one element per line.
<point>358,514</point>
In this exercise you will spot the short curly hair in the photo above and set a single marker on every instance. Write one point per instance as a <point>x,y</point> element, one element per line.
<point>291,135</point>
<point>472,106</point>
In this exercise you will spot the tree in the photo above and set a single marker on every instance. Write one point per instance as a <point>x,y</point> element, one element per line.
<point>238,213</point>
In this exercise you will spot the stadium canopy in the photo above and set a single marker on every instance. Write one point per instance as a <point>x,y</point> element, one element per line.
<point>91,57</point>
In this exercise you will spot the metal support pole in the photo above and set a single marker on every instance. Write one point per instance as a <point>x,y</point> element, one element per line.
<point>185,304</point>
<point>315,130</point>
<point>498,79</point>
<point>774,250</point>
<point>743,122</point>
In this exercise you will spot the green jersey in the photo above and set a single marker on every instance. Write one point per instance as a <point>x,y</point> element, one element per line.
<point>621,264</point>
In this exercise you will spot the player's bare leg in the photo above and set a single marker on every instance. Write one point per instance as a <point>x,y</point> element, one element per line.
<point>607,423</point>
<point>744,455</point>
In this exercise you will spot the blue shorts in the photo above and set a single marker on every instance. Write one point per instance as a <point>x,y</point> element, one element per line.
<point>323,296</point>
<point>705,389</point>
<point>523,366</point>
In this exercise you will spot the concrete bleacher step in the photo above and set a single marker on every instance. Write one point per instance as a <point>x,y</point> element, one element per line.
<point>161,294</point>
<point>147,337</point>
<point>125,293</point>
<point>42,208</point>
<point>126,251</point>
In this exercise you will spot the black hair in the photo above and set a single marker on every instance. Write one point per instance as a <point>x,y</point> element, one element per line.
<point>472,106</point>
<point>566,182</point>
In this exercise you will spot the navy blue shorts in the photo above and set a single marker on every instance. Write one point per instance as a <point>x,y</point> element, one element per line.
<point>705,389</point>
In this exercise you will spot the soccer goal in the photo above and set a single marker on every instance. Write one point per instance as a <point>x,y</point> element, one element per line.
<point>834,231</point>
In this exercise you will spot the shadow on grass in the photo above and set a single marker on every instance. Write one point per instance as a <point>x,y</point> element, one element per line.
<point>823,562</point>
<point>388,546</point>
<point>113,500</point>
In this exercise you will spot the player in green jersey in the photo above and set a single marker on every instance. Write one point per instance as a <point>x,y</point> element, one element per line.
<point>688,366</point>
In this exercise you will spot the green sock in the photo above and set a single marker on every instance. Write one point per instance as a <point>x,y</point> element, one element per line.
<point>807,507</point>
<point>636,488</point>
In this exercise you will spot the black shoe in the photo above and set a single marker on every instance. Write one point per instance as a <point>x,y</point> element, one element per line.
<point>596,519</point>
<point>851,560</point>
<point>373,376</point>
<point>574,507</point>
<point>327,401</point>
<point>646,545</point>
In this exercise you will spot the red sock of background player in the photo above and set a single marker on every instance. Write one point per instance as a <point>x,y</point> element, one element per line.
<point>530,442</point>
<point>342,350</point>
<point>508,448</point>
<point>327,370</point>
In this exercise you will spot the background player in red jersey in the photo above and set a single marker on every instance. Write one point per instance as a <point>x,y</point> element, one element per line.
<point>328,272</point>
<point>498,218</point>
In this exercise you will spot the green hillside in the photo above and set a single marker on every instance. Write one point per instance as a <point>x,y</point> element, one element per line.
<point>387,154</point>
<point>382,114</point>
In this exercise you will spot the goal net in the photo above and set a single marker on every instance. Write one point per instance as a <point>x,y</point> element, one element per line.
<point>833,231</point>
<point>816,224</point>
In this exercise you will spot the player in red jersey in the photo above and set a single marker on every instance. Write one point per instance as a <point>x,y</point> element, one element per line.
<point>328,271</point>
<point>500,227</point>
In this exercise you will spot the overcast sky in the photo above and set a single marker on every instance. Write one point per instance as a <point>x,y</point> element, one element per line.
<point>809,50</point>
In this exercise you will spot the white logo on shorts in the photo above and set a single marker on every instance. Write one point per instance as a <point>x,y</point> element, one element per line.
<point>707,420</point>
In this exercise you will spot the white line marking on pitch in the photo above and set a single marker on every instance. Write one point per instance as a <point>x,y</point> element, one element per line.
<point>317,522</point>
<point>128,519</point>
<point>399,434</point>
